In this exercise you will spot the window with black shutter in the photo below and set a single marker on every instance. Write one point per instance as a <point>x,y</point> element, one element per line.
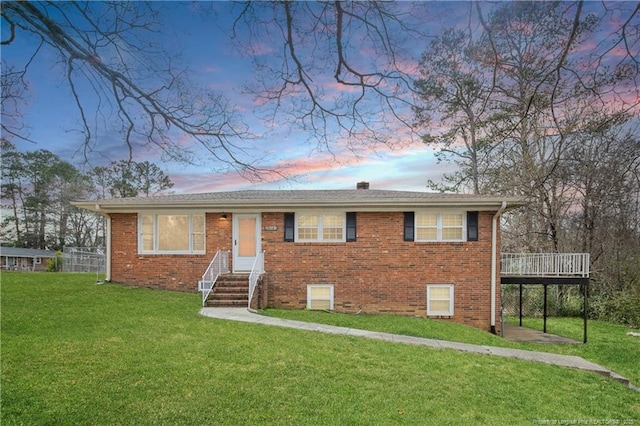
<point>289,227</point>
<point>351,226</point>
<point>409,226</point>
<point>472,226</point>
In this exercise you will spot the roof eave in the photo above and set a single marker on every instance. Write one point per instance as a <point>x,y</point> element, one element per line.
<point>273,206</point>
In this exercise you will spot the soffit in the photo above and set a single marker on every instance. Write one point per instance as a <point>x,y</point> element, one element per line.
<point>286,200</point>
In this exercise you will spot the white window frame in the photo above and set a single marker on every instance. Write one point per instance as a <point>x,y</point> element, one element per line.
<point>439,225</point>
<point>192,234</point>
<point>448,313</point>
<point>37,260</point>
<point>320,215</point>
<point>309,300</point>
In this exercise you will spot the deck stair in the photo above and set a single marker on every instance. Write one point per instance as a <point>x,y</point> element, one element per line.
<point>230,290</point>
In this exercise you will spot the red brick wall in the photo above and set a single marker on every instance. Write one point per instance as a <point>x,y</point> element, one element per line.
<point>380,272</point>
<point>171,272</point>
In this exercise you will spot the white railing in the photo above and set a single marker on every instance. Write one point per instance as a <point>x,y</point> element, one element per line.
<point>545,264</point>
<point>219,265</point>
<point>256,270</point>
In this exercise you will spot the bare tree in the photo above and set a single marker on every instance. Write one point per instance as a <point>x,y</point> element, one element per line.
<point>115,65</point>
<point>337,70</point>
<point>546,101</point>
<point>14,88</point>
<point>511,103</point>
<point>455,93</point>
<point>343,70</point>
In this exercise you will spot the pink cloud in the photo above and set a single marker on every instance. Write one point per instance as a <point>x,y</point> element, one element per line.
<point>339,87</point>
<point>259,49</point>
<point>387,168</point>
<point>299,166</point>
<point>199,182</point>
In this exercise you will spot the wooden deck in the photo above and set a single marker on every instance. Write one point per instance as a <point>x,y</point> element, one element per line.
<point>544,265</point>
<point>545,269</point>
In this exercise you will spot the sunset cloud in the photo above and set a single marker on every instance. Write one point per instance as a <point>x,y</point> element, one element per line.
<point>281,140</point>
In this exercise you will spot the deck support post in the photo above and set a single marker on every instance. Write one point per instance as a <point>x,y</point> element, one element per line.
<point>520,305</point>
<point>585,294</point>
<point>582,281</point>
<point>495,253</point>
<point>544,314</point>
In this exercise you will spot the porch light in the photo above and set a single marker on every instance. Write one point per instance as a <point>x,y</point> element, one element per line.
<point>223,216</point>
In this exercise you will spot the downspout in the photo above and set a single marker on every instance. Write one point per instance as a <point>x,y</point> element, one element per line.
<point>107,248</point>
<point>107,260</point>
<point>494,263</point>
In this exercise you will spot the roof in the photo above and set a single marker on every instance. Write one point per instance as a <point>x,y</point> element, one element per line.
<point>285,200</point>
<point>25,252</point>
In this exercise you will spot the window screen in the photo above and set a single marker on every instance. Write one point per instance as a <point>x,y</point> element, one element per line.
<point>171,233</point>
<point>440,300</point>
<point>320,297</point>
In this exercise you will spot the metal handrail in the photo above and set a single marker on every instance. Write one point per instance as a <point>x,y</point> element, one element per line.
<point>545,264</point>
<point>256,270</point>
<point>219,265</point>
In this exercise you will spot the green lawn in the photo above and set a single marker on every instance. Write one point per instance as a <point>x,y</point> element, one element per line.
<point>608,344</point>
<point>78,353</point>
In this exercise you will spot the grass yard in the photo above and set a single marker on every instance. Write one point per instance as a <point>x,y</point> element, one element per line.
<point>608,344</point>
<point>73,352</point>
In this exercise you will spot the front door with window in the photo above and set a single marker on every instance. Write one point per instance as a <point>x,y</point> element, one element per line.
<point>246,241</point>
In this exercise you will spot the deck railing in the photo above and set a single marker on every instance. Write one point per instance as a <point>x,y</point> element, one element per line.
<point>256,271</point>
<point>219,265</point>
<point>545,264</point>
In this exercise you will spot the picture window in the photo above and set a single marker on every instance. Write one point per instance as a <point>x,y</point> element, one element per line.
<point>171,233</point>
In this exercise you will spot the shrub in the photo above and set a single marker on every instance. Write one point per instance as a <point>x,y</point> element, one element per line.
<point>621,307</point>
<point>54,264</point>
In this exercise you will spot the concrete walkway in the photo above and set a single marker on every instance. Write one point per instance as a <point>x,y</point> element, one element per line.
<point>570,361</point>
<point>523,334</point>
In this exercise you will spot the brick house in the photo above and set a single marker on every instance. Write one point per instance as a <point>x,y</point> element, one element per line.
<point>362,250</point>
<point>24,259</point>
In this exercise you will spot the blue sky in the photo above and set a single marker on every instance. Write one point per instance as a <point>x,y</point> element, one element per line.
<point>216,63</point>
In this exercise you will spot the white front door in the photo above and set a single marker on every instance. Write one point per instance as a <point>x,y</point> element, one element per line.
<point>246,241</point>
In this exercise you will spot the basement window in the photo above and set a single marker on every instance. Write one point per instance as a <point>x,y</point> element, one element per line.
<point>320,297</point>
<point>440,300</point>
<point>171,233</point>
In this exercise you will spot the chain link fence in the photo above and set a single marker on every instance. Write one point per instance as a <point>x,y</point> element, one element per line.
<point>83,259</point>
<point>562,300</point>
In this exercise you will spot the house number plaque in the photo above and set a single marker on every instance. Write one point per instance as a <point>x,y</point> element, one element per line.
<point>270,228</point>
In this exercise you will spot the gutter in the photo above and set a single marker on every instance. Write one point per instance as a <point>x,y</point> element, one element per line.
<point>266,205</point>
<point>107,265</point>
<point>494,263</point>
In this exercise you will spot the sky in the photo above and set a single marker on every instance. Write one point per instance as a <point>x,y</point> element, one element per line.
<point>200,32</point>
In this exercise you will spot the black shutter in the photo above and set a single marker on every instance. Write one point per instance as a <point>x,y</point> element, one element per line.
<point>351,226</point>
<point>409,224</point>
<point>289,227</point>
<point>472,226</point>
